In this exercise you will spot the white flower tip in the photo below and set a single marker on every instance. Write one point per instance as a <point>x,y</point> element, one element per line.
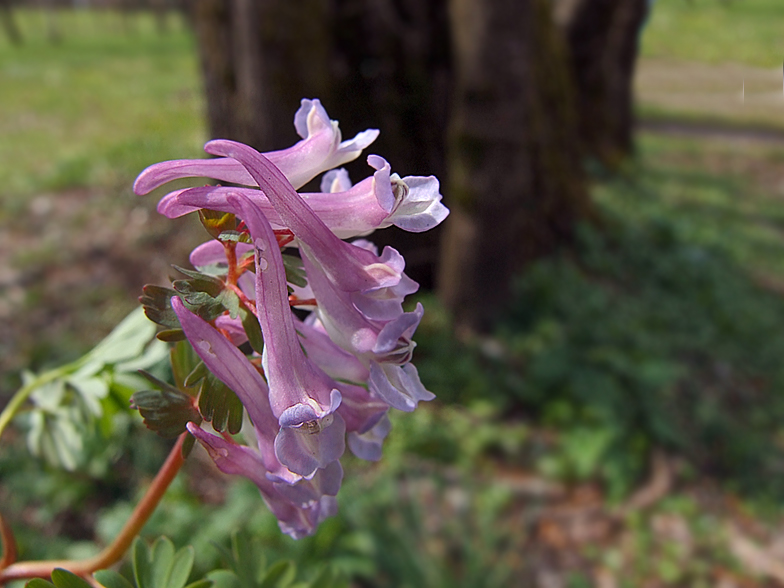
<point>421,210</point>
<point>336,180</point>
<point>360,141</point>
<point>377,162</point>
<point>310,118</point>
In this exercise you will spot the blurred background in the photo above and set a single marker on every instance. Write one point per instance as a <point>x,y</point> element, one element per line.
<point>604,305</point>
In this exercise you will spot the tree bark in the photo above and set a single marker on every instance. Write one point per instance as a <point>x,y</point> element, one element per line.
<point>515,186</point>
<point>490,113</point>
<point>259,58</point>
<point>603,45</point>
<point>391,69</point>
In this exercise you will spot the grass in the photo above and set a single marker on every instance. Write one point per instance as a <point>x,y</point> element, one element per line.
<point>79,119</point>
<point>94,109</point>
<point>716,31</point>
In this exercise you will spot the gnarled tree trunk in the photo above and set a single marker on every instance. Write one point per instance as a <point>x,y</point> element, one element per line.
<point>515,183</point>
<point>603,44</point>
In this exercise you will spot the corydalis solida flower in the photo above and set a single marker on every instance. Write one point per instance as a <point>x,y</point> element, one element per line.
<point>312,386</point>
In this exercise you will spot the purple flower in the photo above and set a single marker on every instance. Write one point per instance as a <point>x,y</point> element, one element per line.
<point>299,504</point>
<point>367,444</point>
<point>278,485</point>
<point>377,283</point>
<point>309,436</point>
<point>377,202</point>
<point>321,149</point>
<point>338,371</point>
<point>384,346</point>
<point>359,293</point>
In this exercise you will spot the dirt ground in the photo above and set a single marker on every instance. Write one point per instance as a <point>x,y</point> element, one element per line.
<point>730,92</point>
<point>74,268</point>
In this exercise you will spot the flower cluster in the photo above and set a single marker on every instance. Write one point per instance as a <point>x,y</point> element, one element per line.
<point>330,377</point>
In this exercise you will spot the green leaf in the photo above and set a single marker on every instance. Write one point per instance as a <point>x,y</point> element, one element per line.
<point>181,567</point>
<point>187,445</point>
<point>39,583</point>
<point>161,562</point>
<point>216,222</point>
<point>164,411</point>
<point>198,373</point>
<point>203,583</point>
<point>183,361</point>
<point>252,329</point>
<point>248,560</point>
<point>171,336</point>
<point>219,405</point>
<point>126,341</point>
<point>112,579</point>
<point>156,302</point>
<point>295,271</point>
<point>327,578</point>
<point>234,236</point>
<point>56,436</point>
<point>155,353</point>
<point>91,391</point>
<point>230,301</point>
<point>198,276</point>
<point>280,575</point>
<point>157,383</point>
<point>201,293</point>
<point>65,579</point>
<point>142,570</point>
<point>223,579</point>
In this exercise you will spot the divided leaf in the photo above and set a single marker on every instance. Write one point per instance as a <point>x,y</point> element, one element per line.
<point>252,329</point>
<point>112,579</point>
<point>234,236</point>
<point>162,567</point>
<point>156,302</point>
<point>65,579</point>
<point>219,405</point>
<point>295,271</point>
<point>206,295</point>
<point>183,361</point>
<point>165,411</point>
<point>280,575</point>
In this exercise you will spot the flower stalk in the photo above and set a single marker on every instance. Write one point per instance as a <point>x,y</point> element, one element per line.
<point>113,552</point>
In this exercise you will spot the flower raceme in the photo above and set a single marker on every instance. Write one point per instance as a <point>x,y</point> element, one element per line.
<point>310,386</point>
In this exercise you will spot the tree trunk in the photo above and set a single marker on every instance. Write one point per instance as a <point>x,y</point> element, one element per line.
<point>515,184</point>
<point>603,44</point>
<point>259,58</point>
<point>513,173</point>
<point>373,63</point>
<point>9,23</point>
<point>391,69</point>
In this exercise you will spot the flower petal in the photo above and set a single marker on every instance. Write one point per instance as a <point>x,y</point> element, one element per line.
<point>400,387</point>
<point>311,446</point>
<point>368,445</point>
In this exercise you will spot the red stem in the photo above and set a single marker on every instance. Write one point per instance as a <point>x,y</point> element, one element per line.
<point>113,552</point>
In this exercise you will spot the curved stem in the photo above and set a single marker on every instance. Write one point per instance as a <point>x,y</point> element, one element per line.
<point>114,551</point>
<point>9,544</point>
<point>21,396</point>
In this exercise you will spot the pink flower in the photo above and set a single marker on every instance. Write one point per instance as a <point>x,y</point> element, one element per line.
<point>321,149</point>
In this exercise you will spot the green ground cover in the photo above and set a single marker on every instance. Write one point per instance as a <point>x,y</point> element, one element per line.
<point>112,96</point>
<point>716,31</point>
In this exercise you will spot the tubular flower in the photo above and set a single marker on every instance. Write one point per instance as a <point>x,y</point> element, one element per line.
<point>281,488</point>
<point>319,150</point>
<point>412,203</point>
<point>310,386</point>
